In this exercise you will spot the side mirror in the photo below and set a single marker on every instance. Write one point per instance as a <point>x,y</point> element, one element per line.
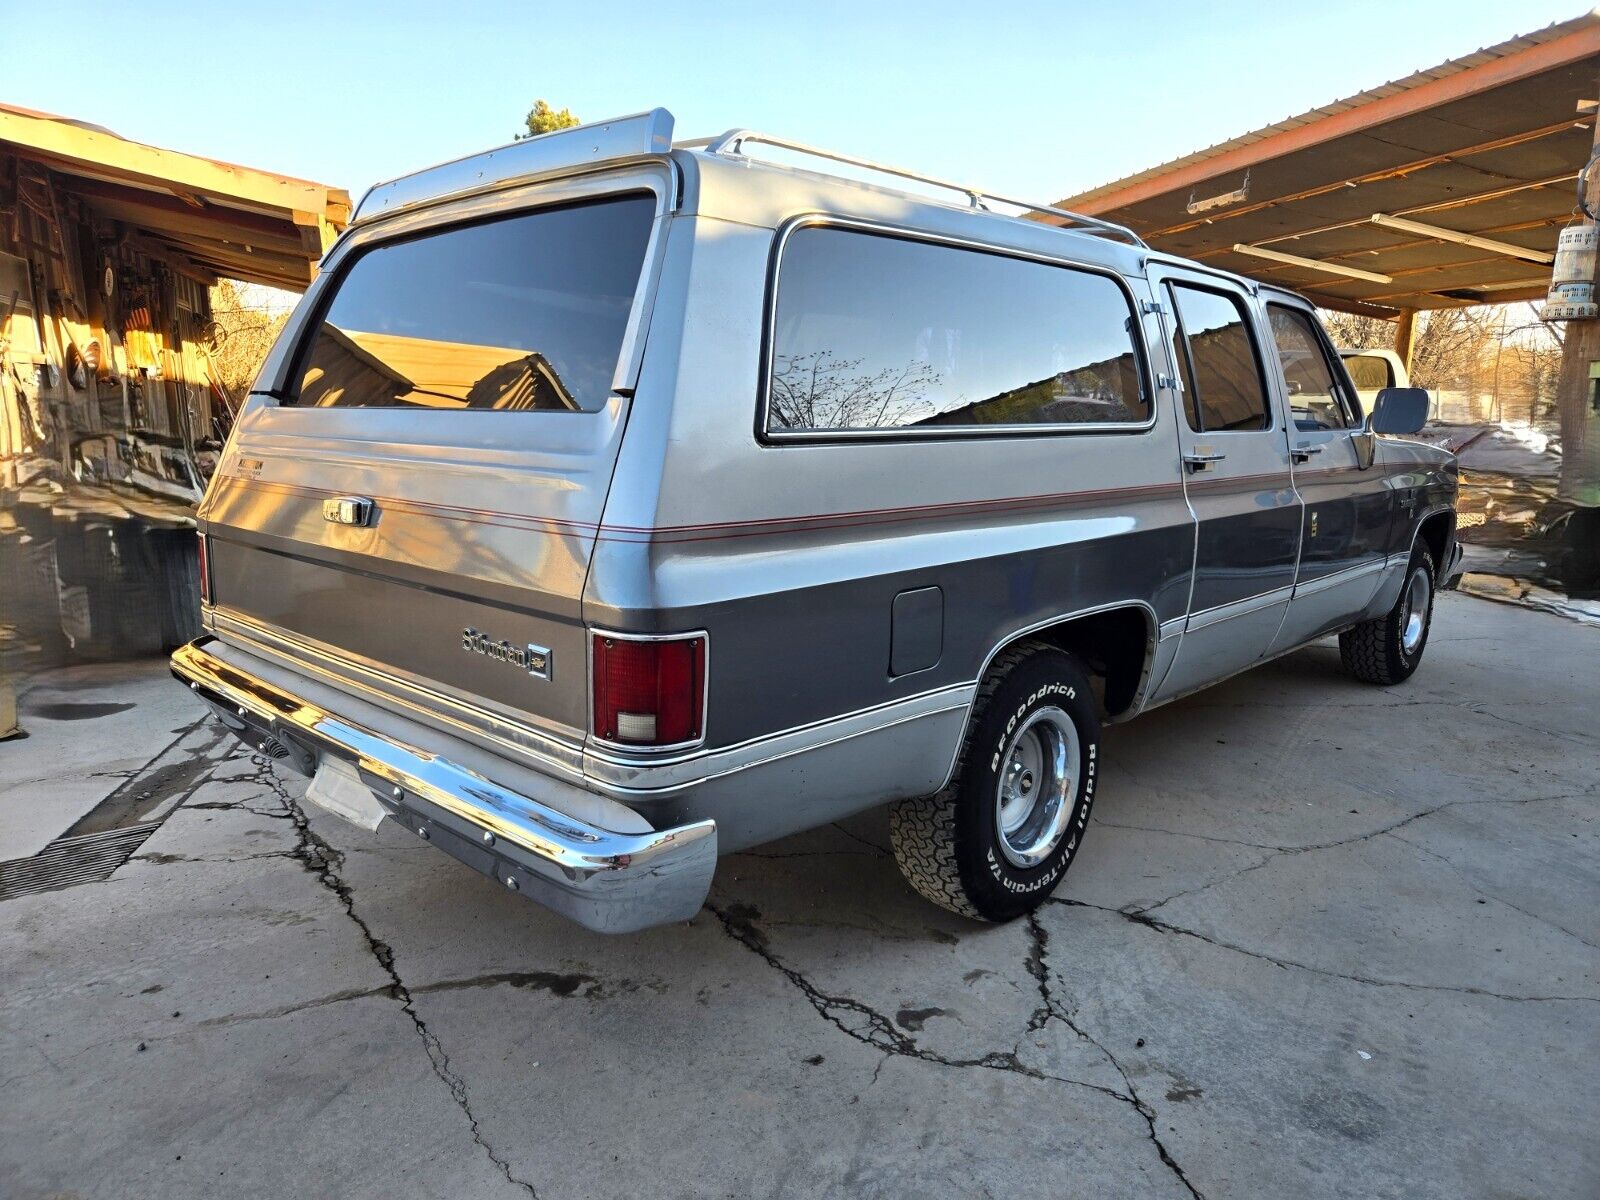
<point>1399,410</point>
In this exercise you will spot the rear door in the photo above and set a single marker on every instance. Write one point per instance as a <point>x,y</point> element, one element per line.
<point>413,509</point>
<point>1235,465</point>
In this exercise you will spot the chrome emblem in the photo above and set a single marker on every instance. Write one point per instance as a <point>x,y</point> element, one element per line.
<point>535,660</point>
<point>347,510</point>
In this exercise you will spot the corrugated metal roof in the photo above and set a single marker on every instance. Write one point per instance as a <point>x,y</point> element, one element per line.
<point>1444,70</point>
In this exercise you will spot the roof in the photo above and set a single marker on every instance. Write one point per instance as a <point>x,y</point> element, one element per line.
<point>225,219</point>
<point>1487,146</point>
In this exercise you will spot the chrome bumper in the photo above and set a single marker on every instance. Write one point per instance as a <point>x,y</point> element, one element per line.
<point>606,881</point>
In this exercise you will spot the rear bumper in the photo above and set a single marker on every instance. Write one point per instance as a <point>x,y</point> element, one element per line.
<point>607,881</point>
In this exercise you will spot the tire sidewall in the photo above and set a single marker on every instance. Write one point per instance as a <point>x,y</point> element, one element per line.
<point>1405,664</point>
<point>998,887</point>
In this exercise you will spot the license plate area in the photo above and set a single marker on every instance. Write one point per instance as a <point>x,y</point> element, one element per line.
<point>336,788</point>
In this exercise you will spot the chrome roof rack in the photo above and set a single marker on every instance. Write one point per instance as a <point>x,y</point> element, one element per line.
<point>731,143</point>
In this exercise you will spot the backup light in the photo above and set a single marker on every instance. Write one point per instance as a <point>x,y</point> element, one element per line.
<point>649,692</point>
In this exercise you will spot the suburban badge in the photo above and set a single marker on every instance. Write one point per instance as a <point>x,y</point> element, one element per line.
<point>535,660</point>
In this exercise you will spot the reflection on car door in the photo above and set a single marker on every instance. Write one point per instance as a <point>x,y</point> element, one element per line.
<point>1346,508</point>
<point>1236,477</point>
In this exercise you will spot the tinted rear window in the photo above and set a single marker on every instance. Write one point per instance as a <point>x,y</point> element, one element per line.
<point>524,313</point>
<point>1222,379</point>
<point>873,332</point>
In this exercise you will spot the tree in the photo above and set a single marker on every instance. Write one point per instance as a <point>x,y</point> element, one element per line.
<point>1358,332</point>
<point>544,119</point>
<point>246,320</point>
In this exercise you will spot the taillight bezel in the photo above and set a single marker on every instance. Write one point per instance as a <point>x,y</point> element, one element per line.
<point>204,564</point>
<point>597,735</point>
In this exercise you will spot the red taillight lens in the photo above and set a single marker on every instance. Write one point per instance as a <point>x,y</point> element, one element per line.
<point>205,572</point>
<point>649,693</point>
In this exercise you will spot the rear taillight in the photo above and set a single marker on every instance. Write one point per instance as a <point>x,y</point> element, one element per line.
<point>205,572</point>
<point>649,693</point>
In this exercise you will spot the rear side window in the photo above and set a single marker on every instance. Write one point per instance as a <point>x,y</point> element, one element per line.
<point>1316,397</point>
<point>526,312</point>
<point>1370,372</point>
<point>1223,385</point>
<point>880,333</point>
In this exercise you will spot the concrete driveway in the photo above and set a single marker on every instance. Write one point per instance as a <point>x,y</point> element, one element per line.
<point>1323,940</point>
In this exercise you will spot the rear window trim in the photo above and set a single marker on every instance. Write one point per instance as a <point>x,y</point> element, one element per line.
<point>767,435</point>
<point>1251,312</point>
<point>288,396</point>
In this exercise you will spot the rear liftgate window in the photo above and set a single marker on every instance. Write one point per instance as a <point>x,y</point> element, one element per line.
<point>886,334</point>
<point>526,312</point>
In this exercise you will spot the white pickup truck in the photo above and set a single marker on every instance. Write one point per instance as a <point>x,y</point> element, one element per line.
<point>1372,371</point>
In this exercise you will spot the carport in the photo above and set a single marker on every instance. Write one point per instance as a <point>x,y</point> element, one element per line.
<point>1446,188</point>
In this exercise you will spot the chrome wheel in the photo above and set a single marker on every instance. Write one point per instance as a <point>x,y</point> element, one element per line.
<point>1414,617</point>
<point>1038,787</point>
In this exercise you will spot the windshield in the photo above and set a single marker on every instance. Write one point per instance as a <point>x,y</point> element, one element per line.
<point>525,312</point>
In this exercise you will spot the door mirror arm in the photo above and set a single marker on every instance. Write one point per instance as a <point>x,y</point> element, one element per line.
<point>1365,441</point>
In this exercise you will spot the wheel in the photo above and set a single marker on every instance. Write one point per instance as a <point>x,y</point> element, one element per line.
<point>1387,649</point>
<point>1000,835</point>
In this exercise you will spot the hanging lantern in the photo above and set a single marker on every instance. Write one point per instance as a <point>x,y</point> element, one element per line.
<point>1571,296</point>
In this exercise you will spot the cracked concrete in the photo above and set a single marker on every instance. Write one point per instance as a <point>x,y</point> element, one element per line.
<point>1321,940</point>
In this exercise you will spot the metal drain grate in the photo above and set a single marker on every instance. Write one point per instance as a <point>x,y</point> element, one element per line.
<point>69,861</point>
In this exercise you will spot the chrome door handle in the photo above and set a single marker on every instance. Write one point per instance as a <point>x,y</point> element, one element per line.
<point>1304,453</point>
<point>1199,462</point>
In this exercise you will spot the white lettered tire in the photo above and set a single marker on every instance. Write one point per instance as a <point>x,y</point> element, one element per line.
<point>995,842</point>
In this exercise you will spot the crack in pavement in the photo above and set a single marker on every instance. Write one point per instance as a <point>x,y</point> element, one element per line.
<point>585,987</point>
<point>323,861</point>
<point>237,805</point>
<point>856,837</point>
<point>878,1031</point>
<point>1466,879</point>
<point>1052,1010</point>
<point>1142,917</point>
<point>1277,852</point>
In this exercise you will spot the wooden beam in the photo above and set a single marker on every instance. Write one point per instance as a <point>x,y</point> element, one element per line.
<point>168,169</point>
<point>1380,176</point>
<point>164,213</point>
<point>1360,308</point>
<point>1565,179</point>
<point>1576,46</point>
<point>1405,336</point>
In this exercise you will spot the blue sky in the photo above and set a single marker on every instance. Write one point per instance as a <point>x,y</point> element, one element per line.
<point>1040,100</point>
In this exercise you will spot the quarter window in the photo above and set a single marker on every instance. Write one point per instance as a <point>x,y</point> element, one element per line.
<point>1222,379</point>
<point>1313,391</point>
<point>875,332</point>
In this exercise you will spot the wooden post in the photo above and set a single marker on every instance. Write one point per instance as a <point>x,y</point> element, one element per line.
<point>1578,407</point>
<point>1405,336</point>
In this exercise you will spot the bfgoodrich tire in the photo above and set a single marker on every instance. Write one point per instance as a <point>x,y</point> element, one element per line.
<point>995,842</point>
<point>1388,649</point>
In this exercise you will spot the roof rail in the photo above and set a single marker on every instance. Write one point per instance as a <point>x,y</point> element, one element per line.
<point>731,143</point>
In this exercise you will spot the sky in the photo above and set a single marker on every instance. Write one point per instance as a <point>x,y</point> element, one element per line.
<point>1039,101</point>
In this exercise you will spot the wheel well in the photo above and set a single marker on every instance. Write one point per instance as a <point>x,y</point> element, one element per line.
<point>1114,645</point>
<point>1435,534</point>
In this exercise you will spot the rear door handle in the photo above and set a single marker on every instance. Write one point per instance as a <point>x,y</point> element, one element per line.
<point>1304,453</point>
<point>1199,462</point>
